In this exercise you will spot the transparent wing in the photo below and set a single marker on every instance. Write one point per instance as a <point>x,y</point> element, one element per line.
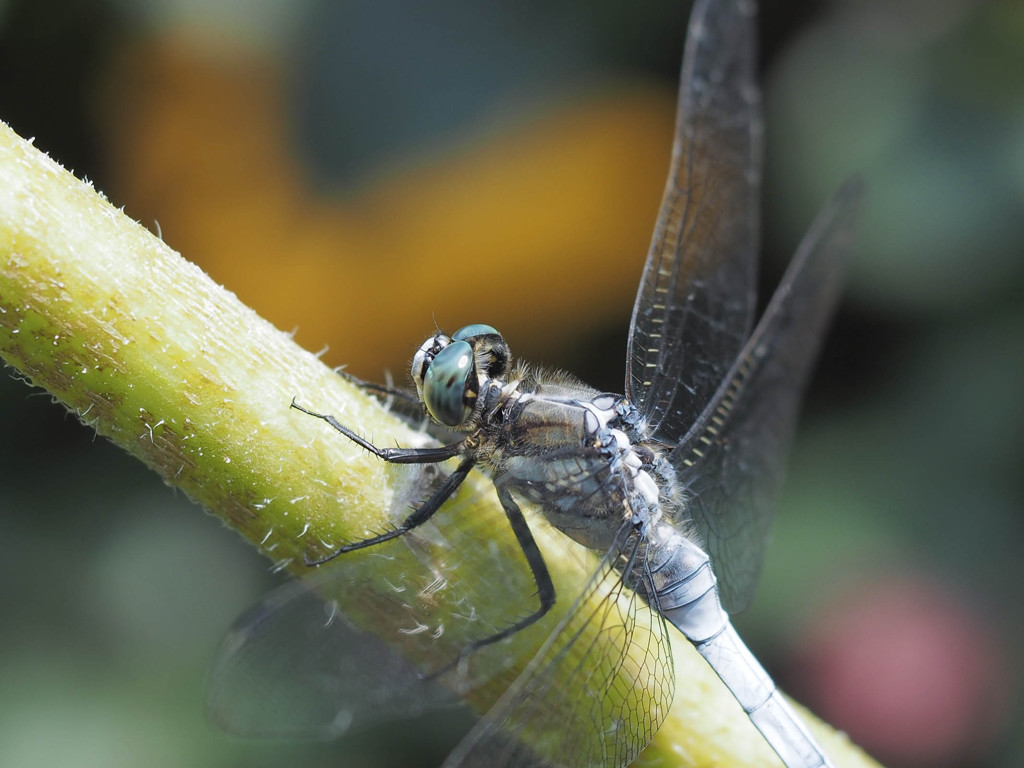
<point>731,464</point>
<point>695,305</point>
<point>570,707</point>
<point>296,664</point>
<point>292,665</point>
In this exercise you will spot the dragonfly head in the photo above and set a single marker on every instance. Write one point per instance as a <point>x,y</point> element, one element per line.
<point>450,371</point>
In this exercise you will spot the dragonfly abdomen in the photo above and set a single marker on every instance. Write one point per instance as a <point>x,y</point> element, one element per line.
<point>772,714</point>
<point>566,455</point>
<point>679,574</point>
<point>687,593</point>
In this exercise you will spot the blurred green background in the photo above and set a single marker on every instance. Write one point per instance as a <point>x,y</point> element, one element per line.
<point>358,169</point>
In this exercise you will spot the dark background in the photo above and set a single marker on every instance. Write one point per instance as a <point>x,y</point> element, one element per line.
<point>891,598</point>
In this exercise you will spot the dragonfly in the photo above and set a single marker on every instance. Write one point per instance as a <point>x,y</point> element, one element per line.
<point>672,484</point>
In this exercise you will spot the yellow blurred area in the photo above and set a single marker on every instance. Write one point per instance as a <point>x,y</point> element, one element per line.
<point>534,226</point>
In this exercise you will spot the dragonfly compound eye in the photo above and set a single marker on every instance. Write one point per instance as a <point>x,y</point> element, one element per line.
<point>467,332</point>
<point>425,356</point>
<point>492,353</point>
<point>450,385</point>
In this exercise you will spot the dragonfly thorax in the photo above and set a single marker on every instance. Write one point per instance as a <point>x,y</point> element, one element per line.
<point>564,447</point>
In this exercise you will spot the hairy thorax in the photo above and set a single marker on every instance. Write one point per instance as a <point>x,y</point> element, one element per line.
<point>592,477</point>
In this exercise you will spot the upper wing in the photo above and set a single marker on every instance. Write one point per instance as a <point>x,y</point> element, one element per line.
<point>696,300</point>
<point>730,465</point>
<point>570,707</point>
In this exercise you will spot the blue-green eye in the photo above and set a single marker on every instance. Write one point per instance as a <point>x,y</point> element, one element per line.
<point>446,383</point>
<point>476,329</point>
<point>492,355</point>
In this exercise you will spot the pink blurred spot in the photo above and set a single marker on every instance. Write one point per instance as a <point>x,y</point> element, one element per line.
<point>910,673</point>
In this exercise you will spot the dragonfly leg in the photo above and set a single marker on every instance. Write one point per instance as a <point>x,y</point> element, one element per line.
<point>419,516</point>
<point>541,577</point>
<point>408,403</point>
<point>383,390</point>
<point>398,456</point>
<point>393,455</point>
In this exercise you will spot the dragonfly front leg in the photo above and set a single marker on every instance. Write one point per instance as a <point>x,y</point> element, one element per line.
<point>393,455</point>
<point>399,456</point>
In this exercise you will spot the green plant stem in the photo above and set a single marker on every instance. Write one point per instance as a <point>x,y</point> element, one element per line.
<point>142,346</point>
